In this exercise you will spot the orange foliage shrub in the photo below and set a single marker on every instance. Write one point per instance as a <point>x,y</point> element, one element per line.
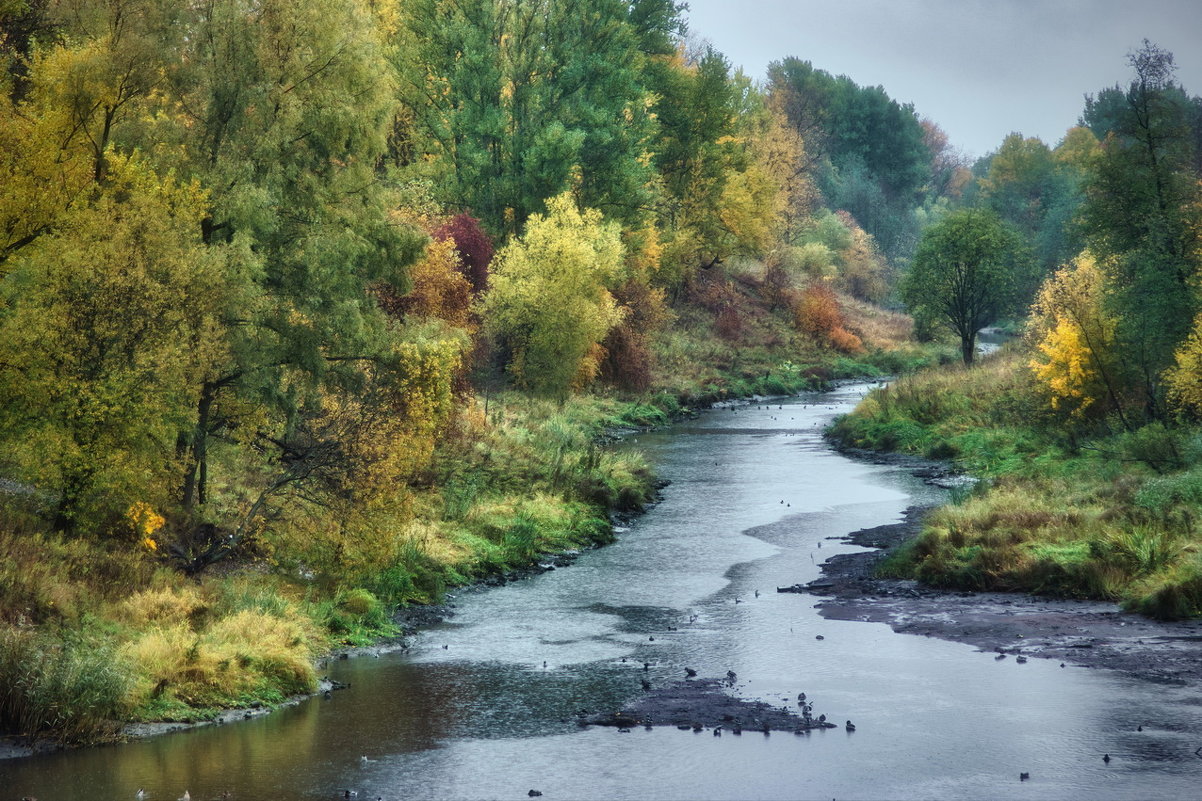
<point>627,362</point>
<point>440,289</point>
<point>817,313</point>
<point>729,323</point>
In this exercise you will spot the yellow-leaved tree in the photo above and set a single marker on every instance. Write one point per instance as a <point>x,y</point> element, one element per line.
<point>1074,334</point>
<point>108,325</point>
<point>550,305</point>
<point>1184,378</point>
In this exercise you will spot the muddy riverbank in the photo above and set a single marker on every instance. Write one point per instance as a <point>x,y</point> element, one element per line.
<point>1091,634</point>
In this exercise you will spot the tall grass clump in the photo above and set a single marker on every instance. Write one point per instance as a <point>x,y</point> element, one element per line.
<point>70,689</point>
<point>253,650</point>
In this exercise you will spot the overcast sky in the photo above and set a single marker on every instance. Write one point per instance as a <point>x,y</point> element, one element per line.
<point>978,68</point>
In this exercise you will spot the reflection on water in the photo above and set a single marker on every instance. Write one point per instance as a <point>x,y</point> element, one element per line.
<point>755,495</point>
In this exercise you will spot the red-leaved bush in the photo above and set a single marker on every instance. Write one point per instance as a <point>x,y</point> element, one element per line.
<point>474,245</point>
<point>627,362</point>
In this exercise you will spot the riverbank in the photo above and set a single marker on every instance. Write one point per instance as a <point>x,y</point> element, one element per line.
<point>1068,508</point>
<point>1091,634</point>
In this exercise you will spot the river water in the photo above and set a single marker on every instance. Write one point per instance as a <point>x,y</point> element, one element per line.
<point>471,712</point>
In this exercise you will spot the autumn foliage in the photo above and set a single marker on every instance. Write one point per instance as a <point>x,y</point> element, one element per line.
<point>818,314</point>
<point>474,246</point>
<point>1074,334</point>
<point>628,358</point>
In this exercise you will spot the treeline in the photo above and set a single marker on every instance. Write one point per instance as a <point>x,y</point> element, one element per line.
<point>247,249</point>
<point>1086,430</point>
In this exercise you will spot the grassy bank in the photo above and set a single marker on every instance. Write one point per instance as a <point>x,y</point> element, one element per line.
<point>1109,516</point>
<point>95,634</point>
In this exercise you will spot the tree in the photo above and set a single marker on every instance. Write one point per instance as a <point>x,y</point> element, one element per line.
<point>872,154</point>
<point>1038,191</point>
<point>284,109</point>
<point>963,274</point>
<point>516,101</point>
<point>1076,362</point>
<point>474,246</point>
<point>1137,217</point>
<point>550,303</point>
<point>112,322</point>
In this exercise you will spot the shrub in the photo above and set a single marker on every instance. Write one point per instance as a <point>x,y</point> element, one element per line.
<point>817,313</point>
<point>474,246</point>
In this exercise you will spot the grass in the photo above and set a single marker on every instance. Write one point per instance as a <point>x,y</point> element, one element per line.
<point>67,687</point>
<point>1109,516</point>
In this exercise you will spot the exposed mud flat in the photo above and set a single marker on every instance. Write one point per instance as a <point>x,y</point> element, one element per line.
<point>703,704</point>
<point>1085,633</point>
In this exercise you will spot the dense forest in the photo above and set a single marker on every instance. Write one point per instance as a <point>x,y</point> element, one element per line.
<point>310,308</point>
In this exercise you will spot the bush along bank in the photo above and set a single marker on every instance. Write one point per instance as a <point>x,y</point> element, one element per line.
<point>1111,515</point>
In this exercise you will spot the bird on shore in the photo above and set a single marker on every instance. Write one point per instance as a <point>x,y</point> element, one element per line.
<point>689,672</point>
<point>731,676</point>
<point>801,697</point>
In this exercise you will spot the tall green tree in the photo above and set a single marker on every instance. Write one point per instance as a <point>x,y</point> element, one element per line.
<point>284,108</point>
<point>1038,191</point>
<point>1138,212</point>
<point>963,273</point>
<point>871,151</point>
<point>515,101</point>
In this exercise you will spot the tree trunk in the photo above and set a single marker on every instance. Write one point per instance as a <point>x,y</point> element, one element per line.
<point>968,347</point>
<point>196,476</point>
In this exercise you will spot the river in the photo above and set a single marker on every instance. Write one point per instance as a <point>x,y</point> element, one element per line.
<point>471,711</point>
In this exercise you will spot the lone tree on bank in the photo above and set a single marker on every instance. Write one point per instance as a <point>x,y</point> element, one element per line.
<point>963,274</point>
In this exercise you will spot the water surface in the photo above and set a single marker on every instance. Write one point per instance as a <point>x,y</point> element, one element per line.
<point>755,495</point>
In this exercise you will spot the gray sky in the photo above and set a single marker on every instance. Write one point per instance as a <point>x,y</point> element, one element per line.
<point>978,68</point>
